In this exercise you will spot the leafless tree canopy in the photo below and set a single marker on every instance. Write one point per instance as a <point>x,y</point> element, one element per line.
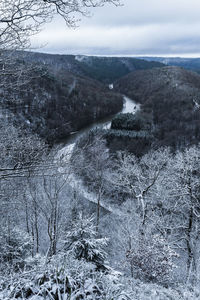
<point>19,19</point>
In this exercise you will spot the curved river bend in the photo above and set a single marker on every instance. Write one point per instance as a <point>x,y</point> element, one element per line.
<point>129,107</point>
<point>65,152</point>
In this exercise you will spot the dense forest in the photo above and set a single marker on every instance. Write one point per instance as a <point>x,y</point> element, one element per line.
<point>60,95</point>
<point>170,98</point>
<point>54,106</point>
<point>112,213</point>
<point>104,69</point>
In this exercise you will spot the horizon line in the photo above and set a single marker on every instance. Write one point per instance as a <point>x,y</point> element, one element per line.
<point>187,56</point>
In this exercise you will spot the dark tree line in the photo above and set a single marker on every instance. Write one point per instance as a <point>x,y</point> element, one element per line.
<point>171,96</point>
<point>54,106</point>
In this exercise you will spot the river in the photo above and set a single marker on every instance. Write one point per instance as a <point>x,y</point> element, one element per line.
<point>65,153</point>
<point>129,107</point>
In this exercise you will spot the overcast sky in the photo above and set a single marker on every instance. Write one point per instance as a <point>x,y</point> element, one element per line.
<point>140,27</point>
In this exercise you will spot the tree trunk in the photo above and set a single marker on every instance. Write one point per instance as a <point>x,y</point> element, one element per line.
<point>98,210</point>
<point>190,260</point>
<point>27,216</point>
<point>36,226</point>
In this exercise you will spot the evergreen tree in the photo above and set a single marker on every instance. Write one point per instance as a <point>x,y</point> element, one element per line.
<point>83,242</point>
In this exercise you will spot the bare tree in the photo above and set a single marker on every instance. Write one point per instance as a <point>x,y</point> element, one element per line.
<point>97,165</point>
<point>19,150</point>
<point>176,211</point>
<point>184,190</point>
<point>25,17</point>
<point>92,164</point>
<point>54,199</point>
<point>138,177</point>
<point>21,19</point>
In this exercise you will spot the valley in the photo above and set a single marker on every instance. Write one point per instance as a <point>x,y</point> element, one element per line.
<point>100,180</point>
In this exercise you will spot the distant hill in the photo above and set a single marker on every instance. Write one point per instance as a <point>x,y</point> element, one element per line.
<point>53,106</point>
<point>192,64</point>
<point>104,69</point>
<point>172,96</point>
<point>64,93</point>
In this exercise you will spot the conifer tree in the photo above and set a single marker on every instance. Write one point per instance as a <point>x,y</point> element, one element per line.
<point>83,242</point>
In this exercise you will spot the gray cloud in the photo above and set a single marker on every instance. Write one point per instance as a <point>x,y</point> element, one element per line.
<point>140,27</point>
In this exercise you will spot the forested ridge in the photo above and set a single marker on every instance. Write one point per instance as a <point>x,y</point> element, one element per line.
<point>62,94</point>
<point>192,64</point>
<point>53,106</point>
<point>170,99</point>
<point>104,69</point>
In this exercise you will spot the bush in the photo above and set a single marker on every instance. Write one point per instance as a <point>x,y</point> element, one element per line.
<point>15,246</point>
<point>152,259</point>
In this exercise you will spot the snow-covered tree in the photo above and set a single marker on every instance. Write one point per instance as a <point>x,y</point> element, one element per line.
<point>19,20</point>
<point>138,177</point>
<point>15,247</point>
<point>82,241</point>
<point>152,259</point>
<point>182,192</point>
<point>92,163</point>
